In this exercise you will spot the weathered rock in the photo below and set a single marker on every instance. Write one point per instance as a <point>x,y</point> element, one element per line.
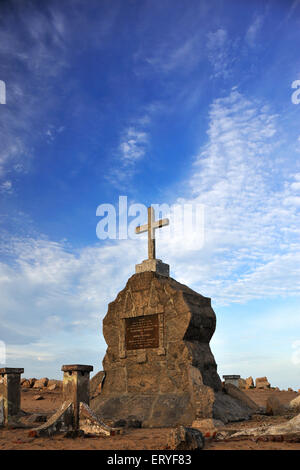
<point>158,360</point>
<point>52,387</point>
<point>41,383</point>
<point>290,389</point>
<point>242,384</point>
<point>262,382</point>
<point>38,397</point>
<point>183,438</point>
<point>205,425</point>
<point>294,404</point>
<point>96,383</point>
<point>35,418</point>
<point>230,409</point>
<point>58,384</point>
<point>275,407</point>
<point>241,396</point>
<point>291,426</point>
<point>25,383</point>
<point>249,382</point>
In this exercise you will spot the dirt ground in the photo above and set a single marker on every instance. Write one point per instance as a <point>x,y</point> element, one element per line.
<point>134,439</point>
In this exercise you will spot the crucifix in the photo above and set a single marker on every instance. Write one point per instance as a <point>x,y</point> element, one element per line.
<point>150,228</point>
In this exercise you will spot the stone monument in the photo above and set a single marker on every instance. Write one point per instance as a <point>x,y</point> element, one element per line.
<point>158,367</point>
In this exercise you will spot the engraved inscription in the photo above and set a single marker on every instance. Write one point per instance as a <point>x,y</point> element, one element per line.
<point>142,332</point>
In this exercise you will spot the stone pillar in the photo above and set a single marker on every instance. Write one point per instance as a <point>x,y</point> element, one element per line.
<point>232,379</point>
<point>10,392</point>
<point>76,387</point>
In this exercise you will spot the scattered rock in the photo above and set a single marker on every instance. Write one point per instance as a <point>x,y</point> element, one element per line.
<point>41,383</point>
<point>208,424</point>
<point>182,438</point>
<point>294,404</point>
<point>262,382</point>
<point>274,407</point>
<point>38,397</point>
<point>242,384</point>
<point>25,383</point>
<point>58,383</point>
<point>249,382</point>
<point>52,387</point>
<point>291,426</point>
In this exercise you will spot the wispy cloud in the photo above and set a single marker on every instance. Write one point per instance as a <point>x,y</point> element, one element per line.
<point>253,30</point>
<point>251,213</point>
<point>220,51</point>
<point>132,148</point>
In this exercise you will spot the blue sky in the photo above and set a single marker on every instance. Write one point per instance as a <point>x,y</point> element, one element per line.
<point>162,102</point>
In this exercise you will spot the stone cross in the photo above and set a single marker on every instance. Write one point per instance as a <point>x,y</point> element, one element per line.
<point>150,228</point>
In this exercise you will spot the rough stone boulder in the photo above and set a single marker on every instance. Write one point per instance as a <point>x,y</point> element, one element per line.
<point>41,383</point>
<point>290,427</point>
<point>158,364</point>
<point>27,383</point>
<point>275,407</point>
<point>294,404</point>
<point>242,384</point>
<point>182,438</point>
<point>249,382</point>
<point>262,382</point>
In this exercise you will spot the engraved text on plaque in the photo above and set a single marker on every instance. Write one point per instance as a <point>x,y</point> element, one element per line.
<point>142,332</point>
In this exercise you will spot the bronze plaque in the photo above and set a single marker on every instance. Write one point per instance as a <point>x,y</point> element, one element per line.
<point>141,332</point>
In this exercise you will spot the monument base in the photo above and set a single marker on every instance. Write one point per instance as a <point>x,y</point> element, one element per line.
<point>159,369</point>
<point>154,265</point>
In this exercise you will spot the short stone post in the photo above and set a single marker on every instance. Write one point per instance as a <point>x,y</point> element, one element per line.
<point>76,387</point>
<point>75,415</point>
<point>10,393</point>
<point>232,379</point>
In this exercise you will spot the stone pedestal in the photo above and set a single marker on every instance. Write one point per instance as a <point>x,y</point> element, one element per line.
<point>76,382</point>
<point>153,265</point>
<point>158,366</point>
<point>74,415</point>
<point>10,393</point>
<point>232,379</point>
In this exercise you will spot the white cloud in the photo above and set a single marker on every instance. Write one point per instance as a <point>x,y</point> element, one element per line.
<point>132,149</point>
<point>6,187</point>
<point>253,30</point>
<point>220,50</point>
<point>133,145</point>
<point>252,222</point>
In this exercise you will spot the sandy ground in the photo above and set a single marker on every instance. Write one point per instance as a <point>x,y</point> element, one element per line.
<point>134,439</point>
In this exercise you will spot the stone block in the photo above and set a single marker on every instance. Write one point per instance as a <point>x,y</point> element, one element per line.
<point>158,364</point>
